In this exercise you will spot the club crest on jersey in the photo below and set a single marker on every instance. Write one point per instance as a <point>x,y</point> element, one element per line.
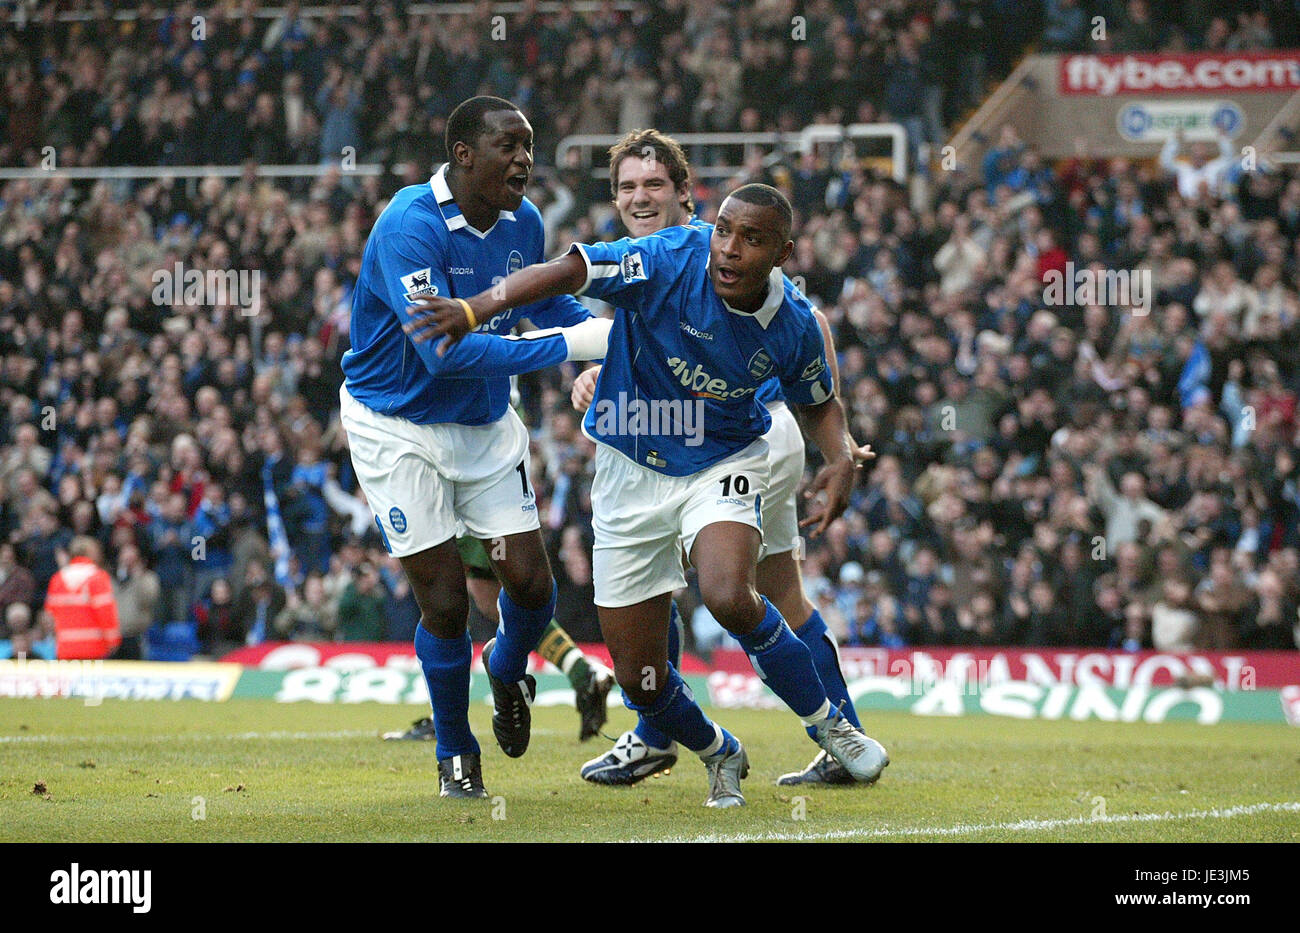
<point>515,262</point>
<point>760,365</point>
<point>419,284</point>
<point>397,519</point>
<point>633,268</point>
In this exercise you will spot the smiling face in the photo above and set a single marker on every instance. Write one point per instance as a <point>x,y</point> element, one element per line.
<point>748,241</point>
<point>646,199</point>
<point>500,162</point>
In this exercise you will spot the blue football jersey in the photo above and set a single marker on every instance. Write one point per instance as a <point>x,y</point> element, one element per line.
<point>422,245</point>
<point>680,358</point>
<point>770,392</point>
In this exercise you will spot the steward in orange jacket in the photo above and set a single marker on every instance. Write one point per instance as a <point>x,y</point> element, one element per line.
<point>80,601</point>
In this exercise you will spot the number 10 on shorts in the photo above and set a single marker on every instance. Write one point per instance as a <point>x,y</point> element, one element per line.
<point>740,482</point>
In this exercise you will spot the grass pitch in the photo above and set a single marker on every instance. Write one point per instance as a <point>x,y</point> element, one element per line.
<point>255,770</point>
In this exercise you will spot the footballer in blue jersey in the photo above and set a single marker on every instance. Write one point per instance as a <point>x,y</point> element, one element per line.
<point>436,447</point>
<point>704,319</point>
<point>650,188</point>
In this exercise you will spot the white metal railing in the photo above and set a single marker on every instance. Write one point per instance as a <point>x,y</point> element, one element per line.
<point>133,172</point>
<point>198,172</point>
<point>802,142</point>
<point>415,9</point>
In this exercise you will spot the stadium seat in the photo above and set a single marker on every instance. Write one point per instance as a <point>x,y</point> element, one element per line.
<point>172,641</point>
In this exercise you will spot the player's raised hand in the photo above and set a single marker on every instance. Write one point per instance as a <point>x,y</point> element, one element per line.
<point>829,493</point>
<point>439,317</point>
<point>584,388</point>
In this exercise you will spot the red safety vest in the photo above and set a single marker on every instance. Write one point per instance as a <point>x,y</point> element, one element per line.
<point>80,600</point>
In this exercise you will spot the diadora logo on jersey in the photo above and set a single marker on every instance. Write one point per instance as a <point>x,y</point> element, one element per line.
<point>515,262</point>
<point>698,334</point>
<point>460,270</point>
<point>703,385</point>
<point>633,268</point>
<point>419,284</point>
<point>760,365</point>
<point>813,369</point>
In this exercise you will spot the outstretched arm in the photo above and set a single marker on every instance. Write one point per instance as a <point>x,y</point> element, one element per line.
<point>861,453</point>
<point>453,318</point>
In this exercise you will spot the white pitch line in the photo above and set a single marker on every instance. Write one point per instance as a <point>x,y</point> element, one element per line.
<point>182,736</point>
<point>965,829</point>
<point>188,736</point>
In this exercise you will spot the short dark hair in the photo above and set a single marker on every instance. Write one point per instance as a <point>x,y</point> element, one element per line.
<point>767,196</point>
<point>666,150</point>
<point>466,123</point>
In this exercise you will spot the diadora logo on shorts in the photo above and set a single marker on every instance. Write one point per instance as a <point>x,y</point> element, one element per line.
<point>703,385</point>
<point>697,334</point>
<point>633,268</point>
<point>397,519</point>
<point>515,262</point>
<point>419,284</point>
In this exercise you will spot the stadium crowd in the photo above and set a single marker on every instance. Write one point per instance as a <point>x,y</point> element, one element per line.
<point>1048,473</point>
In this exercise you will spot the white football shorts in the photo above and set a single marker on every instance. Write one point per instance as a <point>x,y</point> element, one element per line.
<point>786,460</point>
<point>643,520</point>
<point>426,483</point>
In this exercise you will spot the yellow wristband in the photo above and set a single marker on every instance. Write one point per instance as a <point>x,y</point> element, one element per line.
<point>469,313</point>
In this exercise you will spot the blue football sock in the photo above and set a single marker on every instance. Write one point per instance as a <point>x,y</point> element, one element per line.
<point>518,633</point>
<point>826,658</point>
<point>785,665</point>
<point>676,714</point>
<point>648,733</point>
<point>446,670</point>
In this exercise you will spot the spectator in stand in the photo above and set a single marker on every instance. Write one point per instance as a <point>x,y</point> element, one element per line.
<point>1124,510</point>
<point>1066,26</point>
<point>255,608</point>
<point>1200,176</point>
<point>138,593</point>
<point>170,541</point>
<point>1173,622</point>
<point>41,545</point>
<point>17,585</point>
<point>22,638</point>
<point>1224,605</point>
<point>214,614</point>
<point>361,607</point>
<point>311,617</point>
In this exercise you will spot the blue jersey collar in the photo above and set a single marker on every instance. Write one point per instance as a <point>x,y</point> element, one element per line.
<point>451,211</point>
